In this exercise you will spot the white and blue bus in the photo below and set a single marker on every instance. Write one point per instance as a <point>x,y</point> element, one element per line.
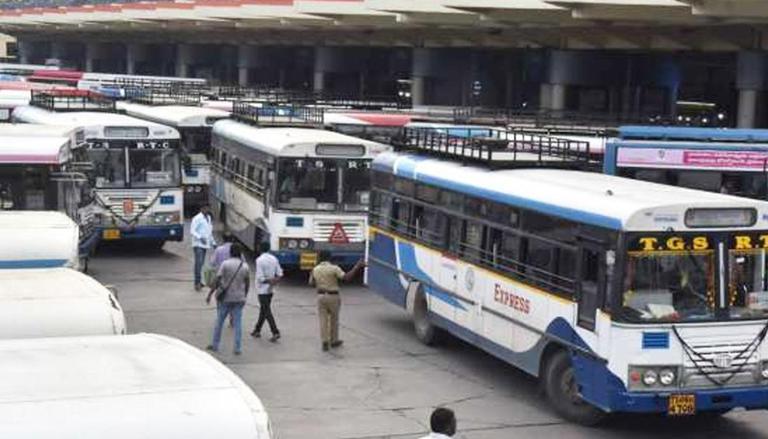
<point>194,124</point>
<point>732,161</point>
<point>620,295</point>
<point>136,172</point>
<point>304,190</point>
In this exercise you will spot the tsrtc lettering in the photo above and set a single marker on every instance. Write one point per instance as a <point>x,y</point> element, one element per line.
<point>649,244</point>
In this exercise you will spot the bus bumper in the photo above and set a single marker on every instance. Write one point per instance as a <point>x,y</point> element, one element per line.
<point>749,398</point>
<point>292,258</point>
<point>149,233</point>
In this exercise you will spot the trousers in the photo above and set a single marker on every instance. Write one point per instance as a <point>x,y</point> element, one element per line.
<point>328,308</point>
<point>265,314</point>
<point>235,310</point>
<point>199,261</point>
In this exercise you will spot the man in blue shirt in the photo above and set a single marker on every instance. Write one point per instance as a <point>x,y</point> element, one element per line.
<point>201,230</point>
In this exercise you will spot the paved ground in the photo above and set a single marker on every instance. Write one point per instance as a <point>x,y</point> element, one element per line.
<point>382,383</point>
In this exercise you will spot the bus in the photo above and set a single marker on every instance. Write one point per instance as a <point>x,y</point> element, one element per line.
<point>619,295</point>
<point>731,161</point>
<point>56,302</point>
<point>303,190</point>
<point>136,171</point>
<point>194,124</point>
<point>145,386</point>
<point>38,239</point>
<point>42,168</point>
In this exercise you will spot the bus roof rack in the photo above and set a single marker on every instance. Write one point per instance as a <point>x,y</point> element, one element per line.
<point>498,148</point>
<point>278,96</point>
<point>71,100</point>
<point>288,115</point>
<point>574,122</point>
<point>164,96</point>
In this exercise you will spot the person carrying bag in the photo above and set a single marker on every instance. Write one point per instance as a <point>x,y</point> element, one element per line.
<point>230,300</point>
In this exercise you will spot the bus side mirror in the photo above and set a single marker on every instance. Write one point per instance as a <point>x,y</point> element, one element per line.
<point>186,163</point>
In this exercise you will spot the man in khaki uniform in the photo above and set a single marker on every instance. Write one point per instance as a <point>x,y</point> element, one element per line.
<point>325,278</point>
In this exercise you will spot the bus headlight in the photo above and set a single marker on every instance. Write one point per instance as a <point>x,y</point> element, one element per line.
<point>764,370</point>
<point>667,377</point>
<point>304,244</point>
<point>650,377</point>
<point>296,243</point>
<point>166,218</point>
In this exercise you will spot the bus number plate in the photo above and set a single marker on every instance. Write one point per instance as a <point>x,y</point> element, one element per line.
<point>307,260</point>
<point>111,234</point>
<point>681,405</point>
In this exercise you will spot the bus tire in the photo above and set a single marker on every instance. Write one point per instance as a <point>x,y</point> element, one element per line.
<point>425,331</point>
<point>560,387</point>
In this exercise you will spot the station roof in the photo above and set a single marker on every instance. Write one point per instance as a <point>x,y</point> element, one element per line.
<point>518,23</point>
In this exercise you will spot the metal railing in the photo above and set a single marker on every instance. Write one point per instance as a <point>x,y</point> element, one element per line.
<point>71,100</point>
<point>164,96</point>
<point>278,96</point>
<point>573,121</point>
<point>498,147</point>
<point>288,115</point>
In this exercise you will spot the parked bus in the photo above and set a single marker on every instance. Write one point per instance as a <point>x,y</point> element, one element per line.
<point>194,124</point>
<point>38,239</point>
<point>619,295</point>
<point>732,161</point>
<point>136,172</point>
<point>56,302</point>
<point>304,190</point>
<point>41,168</point>
<point>134,386</point>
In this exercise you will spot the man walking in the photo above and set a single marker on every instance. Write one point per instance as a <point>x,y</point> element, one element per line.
<point>325,278</point>
<point>231,288</point>
<point>268,274</point>
<point>442,424</point>
<point>201,230</point>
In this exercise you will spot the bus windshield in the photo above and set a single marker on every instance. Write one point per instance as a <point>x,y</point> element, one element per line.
<point>313,184</point>
<point>310,184</point>
<point>109,167</point>
<point>675,278</point>
<point>146,168</point>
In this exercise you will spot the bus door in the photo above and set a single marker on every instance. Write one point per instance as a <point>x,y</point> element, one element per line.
<point>590,287</point>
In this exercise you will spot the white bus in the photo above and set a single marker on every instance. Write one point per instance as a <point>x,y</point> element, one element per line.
<point>194,125</point>
<point>41,168</point>
<point>135,386</point>
<point>136,172</point>
<point>620,295</point>
<point>304,190</point>
<point>56,302</point>
<point>38,239</point>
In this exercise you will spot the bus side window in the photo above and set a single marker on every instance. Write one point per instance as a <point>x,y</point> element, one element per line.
<point>590,286</point>
<point>455,226</point>
<point>472,244</point>
<point>401,215</point>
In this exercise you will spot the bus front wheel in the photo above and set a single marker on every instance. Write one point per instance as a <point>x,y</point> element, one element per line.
<point>562,391</point>
<point>426,332</point>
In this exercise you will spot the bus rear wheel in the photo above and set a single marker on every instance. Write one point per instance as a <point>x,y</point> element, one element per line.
<point>426,332</point>
<point>562,391</point>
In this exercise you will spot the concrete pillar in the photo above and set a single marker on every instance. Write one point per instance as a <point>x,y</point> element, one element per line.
<point>417,90</point>
<point>134,53</point>
<point>557,99</point>
<point>23,49</point>
<point>750,81</point>
<point>58,51</point>
<point>421,69</point>
<point>91,52</point>
<point>183,59</point>
<point>323,64</point>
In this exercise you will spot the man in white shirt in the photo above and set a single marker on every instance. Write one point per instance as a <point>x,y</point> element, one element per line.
<point>268,274</point>
<point>201,230</point>
<point>442,424</point>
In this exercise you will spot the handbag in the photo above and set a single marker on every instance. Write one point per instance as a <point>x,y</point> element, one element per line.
<point>223,292</point>
<point>209,276</point>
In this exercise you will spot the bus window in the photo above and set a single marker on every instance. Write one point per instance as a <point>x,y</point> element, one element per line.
<point>589,291</point>
<point>110,167</point>
<point>429,225</point>
<point>356,185</point>
<point>703,180</point>
<point>154,168</point>
<point>401,213</point>
<point>748,286</point>
<point>455,226</point>
<point>308,184</point>
<point>382,209</point>
<point>472,244</point>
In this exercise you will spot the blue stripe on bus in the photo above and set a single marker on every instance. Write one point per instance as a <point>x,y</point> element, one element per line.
<point>33,263</point>
<point>409,265</point>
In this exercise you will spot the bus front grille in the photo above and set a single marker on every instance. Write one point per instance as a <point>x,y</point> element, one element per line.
<point>720,362</point>
<point>118,201</point>
<point>353,230</point>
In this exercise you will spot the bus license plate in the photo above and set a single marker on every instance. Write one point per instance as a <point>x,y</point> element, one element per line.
<point>681,405</point>
<point>111,234</point>
<point>307,260</point>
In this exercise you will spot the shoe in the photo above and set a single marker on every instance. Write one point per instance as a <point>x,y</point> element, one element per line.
<point>211,348</point>
<point>275,338</point>
<point>326,346</point>
<point>337,343</point>
<point>238,352</point>
<point>198,287</point>
<point>255,334</point>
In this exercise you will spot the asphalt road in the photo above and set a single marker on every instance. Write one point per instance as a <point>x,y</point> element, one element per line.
<point>382,382</point>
